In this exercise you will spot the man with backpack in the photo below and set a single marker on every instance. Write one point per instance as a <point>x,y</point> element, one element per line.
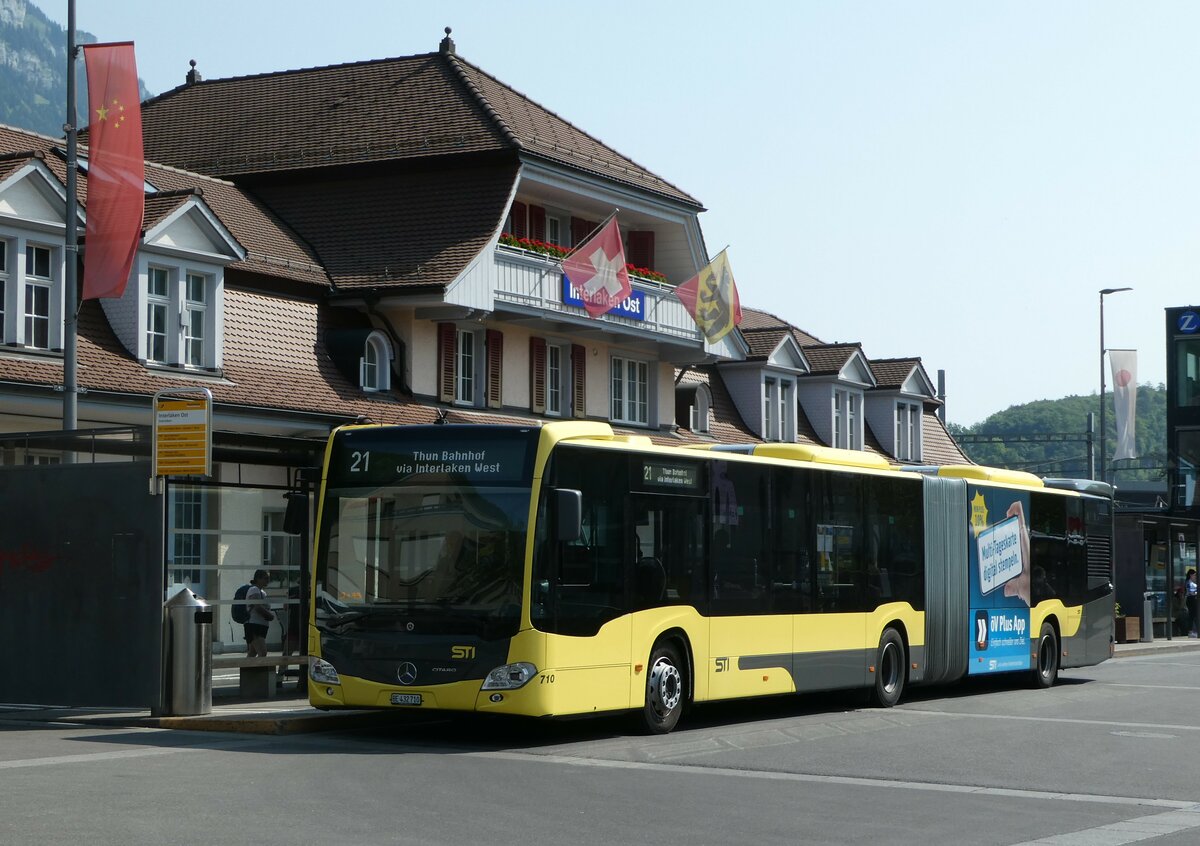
<point>256,613</point>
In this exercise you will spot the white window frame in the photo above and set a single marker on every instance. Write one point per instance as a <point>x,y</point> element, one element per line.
<point>557,356</point>
<point>158,303</point>
<point>375,366</point>
<point>194,312</point>
<point>191,331</point>
<point>770,394</point>
<point>466,365</point>
<point>699,411</point>
<point>32,286</point>
<point>847,419</point>
<point>908,430</point>
<point>629,398</point>
<point>4,279</point>
<point>554,230</point>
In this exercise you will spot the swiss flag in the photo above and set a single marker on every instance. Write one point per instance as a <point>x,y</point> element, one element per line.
<point>597,270</point>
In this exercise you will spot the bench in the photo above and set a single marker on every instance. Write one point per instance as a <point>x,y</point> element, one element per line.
<point>258,676</point>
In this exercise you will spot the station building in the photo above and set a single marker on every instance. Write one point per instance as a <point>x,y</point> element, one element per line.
<point>380,241</point>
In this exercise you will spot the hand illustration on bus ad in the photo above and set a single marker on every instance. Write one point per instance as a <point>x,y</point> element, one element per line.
<point>1000,580</point>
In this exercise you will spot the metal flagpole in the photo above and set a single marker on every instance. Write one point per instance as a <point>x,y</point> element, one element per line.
<point>70,417</point>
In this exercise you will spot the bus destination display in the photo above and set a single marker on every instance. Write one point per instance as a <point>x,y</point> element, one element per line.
<point>359,458</point>
<point>673,476</point>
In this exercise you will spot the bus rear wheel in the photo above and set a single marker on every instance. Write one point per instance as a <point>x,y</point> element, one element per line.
<point>1045,674</point>
<point>889,669</point>
<point>665,690</point>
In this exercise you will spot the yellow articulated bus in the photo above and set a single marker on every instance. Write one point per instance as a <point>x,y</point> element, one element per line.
<point>559,569</point>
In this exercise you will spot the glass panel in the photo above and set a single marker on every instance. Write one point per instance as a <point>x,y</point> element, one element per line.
<point>1187,366</point>
<point>466,367</point>
<point>1187,443</point>
<point>37,261</point>
<point>618,389</point>
<point>156,285</point>
<point>217,538</point>
<point>37,316</point>
<point>195,287</point>
<point>156,332</point>
<point>553,380</point>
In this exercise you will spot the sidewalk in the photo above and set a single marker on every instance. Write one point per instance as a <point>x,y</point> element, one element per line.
<point>290,713</point>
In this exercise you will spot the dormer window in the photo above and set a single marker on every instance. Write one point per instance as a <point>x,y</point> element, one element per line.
<point>847,419</point>
<point>374,368</point>
<point>38,282</point>
<point>698,413</point>
<point>908,431</point>
<point>180,328</point>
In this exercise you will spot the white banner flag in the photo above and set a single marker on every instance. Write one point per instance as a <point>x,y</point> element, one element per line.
<point>1124,374</point>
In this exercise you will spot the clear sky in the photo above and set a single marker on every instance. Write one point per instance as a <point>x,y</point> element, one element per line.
<point>948,180</point>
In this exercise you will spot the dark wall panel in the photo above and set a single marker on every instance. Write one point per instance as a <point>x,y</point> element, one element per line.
<point>80,585</point>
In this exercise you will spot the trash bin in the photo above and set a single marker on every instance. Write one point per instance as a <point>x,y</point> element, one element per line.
<point>187,653</point>
<point>1148,618</point>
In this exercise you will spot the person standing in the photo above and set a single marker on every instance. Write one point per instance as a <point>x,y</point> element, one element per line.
<point>1192,605</point>
<point>261,615</point>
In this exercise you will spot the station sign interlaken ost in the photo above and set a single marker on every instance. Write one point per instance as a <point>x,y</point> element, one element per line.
<point>182,435</point>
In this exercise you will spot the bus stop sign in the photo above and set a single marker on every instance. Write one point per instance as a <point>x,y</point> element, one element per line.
<point>183,433</point>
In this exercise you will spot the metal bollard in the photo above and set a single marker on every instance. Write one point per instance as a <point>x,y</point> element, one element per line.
<point>1148,618</point>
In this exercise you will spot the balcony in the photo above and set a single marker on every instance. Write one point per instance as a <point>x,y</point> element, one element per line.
<point>533,282</point>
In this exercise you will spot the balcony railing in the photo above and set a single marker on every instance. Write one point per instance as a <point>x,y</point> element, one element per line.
<point>535,281</point>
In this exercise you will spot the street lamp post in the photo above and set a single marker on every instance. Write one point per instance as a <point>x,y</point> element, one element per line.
<point>1103,463</point>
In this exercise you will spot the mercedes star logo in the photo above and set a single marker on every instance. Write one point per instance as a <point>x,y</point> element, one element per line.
<point>407,672</point>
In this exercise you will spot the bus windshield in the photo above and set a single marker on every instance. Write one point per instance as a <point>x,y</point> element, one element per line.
<point>442,537</point>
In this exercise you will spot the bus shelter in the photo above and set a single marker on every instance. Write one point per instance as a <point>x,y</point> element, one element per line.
<point>87,553</point>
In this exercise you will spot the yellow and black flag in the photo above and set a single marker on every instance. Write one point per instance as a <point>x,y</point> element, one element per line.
<point>712,299</point>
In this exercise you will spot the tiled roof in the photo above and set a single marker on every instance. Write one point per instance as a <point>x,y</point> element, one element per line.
<point>159,206</point>
<point>762,342</point>
<point>830,358</point>
<point>271,248</point>
<point>411,107</point>
<point>892,373</point>
<point>369,233</point>
<point>937,446</point>
<point>725,424</point>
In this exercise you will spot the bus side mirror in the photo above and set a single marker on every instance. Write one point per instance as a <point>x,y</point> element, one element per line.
<point>295,518</point>
<point>568,514</point>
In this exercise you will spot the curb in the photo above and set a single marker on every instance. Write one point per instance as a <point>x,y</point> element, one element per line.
<point>1148,649</point>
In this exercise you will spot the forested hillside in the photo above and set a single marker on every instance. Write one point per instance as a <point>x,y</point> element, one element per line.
<point>1046,437</point>
<point>33,70</point>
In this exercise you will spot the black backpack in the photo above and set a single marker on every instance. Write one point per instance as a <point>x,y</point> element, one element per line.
<point>240,610</point>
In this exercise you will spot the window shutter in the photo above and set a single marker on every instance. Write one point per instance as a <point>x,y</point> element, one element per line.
<point>537,223</point>
<point>495,366</point>
<point>578,380</point>
<point>537,375</point>
<point>446,358</point>
<point>519,229</point>
<point>640,250</point>
<point>580,229</point>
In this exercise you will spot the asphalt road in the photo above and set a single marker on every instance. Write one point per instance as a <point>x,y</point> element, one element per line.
<point>1110,756</point>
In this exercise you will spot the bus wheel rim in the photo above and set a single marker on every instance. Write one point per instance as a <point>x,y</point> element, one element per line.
<point>666,687</point>
<point>889,668</point>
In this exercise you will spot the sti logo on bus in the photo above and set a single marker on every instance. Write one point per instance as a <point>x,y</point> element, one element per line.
<point>462,652</point>
<point>722,665</point>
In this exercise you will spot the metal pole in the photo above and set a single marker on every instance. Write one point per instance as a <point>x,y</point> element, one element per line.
<point>1091,444</point>
<point>70,418</point>
<point>1103,457</point>
<point>1103,465</point>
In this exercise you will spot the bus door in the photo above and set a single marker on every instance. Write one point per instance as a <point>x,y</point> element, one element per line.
<point>667,542</point>
<point>750,640</point>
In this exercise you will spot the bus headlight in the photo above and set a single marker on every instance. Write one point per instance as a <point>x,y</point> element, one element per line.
<point>509,677</point>
<point>322,672</point>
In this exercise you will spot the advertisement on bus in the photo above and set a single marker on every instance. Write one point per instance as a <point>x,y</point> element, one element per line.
<point>999,580</point>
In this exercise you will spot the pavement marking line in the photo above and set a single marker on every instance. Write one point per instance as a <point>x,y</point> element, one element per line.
<point>1029,719</point>
<point>935,787</point>
<point>118,754</point>
<point>1154,686</point>
<point>1127,831</point>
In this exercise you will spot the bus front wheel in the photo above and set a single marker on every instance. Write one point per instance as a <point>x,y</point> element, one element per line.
<point>665,687</point>
<point>1045,674</point>
<point>889,669</point>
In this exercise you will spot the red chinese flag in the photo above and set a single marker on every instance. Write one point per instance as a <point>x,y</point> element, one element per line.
<point>116,170</point>
<point>597,270</point>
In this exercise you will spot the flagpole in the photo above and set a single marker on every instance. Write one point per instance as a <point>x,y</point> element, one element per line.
<point>583,241</point>
<point>70,416</point>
